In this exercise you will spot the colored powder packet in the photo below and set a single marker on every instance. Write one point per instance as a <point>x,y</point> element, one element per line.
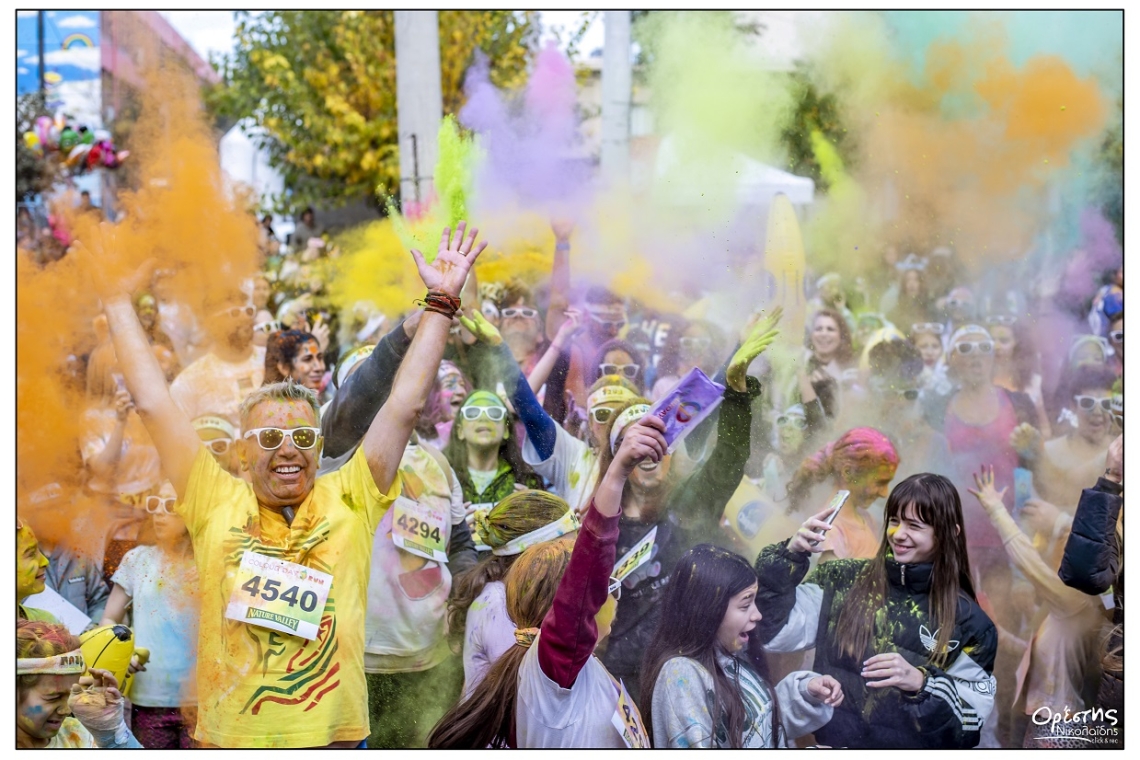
<point>684,407</point>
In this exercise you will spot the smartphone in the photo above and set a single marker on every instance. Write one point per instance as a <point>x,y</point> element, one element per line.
<point>836,504</point>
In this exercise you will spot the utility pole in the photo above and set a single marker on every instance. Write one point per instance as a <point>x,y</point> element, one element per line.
<point>419,101</point>
<point>617,89</point>
<point>40,43</point>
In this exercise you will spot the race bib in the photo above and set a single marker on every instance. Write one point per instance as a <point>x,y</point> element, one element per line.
<point>635,557</point>
<point>420,528</point>
<point>627,720</point>
<point>283,596</point>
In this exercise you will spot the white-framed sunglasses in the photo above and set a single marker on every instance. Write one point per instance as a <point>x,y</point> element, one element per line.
<point>695,344</point>
<point>791,419</point>
<point>629,370</point>
<point>601,414</point>
<point>1088,403</point>
<point>218,446</point>
<point>520,311</point>
<point>270,438</point>
<point>1001,319</point>
<point>966,347</point>
<point>234,312</point>
<point>157,505</point>
<point>932,328</point>
<point>1117,336</point>
<point>493,413</point>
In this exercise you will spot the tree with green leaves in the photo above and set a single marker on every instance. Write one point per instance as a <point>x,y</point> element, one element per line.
<point>814,111</point>
<point>34,174</point>
<point>321,86</point>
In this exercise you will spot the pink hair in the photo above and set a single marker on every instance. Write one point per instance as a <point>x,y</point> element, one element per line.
<point>859,449</point>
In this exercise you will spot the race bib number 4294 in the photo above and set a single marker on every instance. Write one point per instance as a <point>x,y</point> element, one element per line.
<point>283,596</point>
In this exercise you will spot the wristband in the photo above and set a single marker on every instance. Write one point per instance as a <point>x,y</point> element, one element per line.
<point>562,246</point>
<point>440,303</point>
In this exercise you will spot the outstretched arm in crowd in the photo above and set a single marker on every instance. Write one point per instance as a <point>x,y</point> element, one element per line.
<point>559,278</point>
<point>388,434</point>
<point>570,630</point>
<point>173,435</point>
<point>558,345</point>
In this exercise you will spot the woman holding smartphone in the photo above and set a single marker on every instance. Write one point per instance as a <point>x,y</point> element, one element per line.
<point>902,632</point>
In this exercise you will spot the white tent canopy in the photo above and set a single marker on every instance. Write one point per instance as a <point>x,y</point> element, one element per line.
<point>757,183</point>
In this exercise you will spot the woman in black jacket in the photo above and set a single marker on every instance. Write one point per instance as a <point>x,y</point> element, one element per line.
<point>903,632</point>
<point>1094,563</point>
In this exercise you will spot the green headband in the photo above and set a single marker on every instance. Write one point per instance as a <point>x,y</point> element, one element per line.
<point>483,396</point>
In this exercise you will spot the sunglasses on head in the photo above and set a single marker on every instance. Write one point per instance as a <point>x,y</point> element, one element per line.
<point>616,323</point>
<point>615,588</point>
<point>520,311</point>
<point>1001,319</point>
<point>794,420</point>
<point>234,312</point>
<point>218,445</point>
<point>493,413</point>
<point>1117,336</point>
<point>601,414</point>
<point>157,505</point>
<point>1088,403</point>
<point>966,346</point>
<point>270,438</point>
<point>933,328</point>
<point>629,370</point>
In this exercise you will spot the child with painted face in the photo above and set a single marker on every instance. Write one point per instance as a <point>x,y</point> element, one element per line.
<point>483,451</point>
<point>702,678</point>
<point>562,695</point>
<point>57,706</point>
<point>862,461</point>
<point>159,581</point>
<point>901,632</point>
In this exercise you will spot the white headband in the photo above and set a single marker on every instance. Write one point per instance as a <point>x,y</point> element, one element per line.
<point>609,393</point>
<point>966,330</point>
<point>632,414</point>
<point>67,664</point>
<point>560,527</point>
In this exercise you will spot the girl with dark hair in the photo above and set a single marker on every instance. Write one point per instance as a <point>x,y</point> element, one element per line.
<point>862,461</point>
<point>617,357</point>
<point>478,604</point>
<point>296,355</point>
<point>902,632</point>
<point>483,451</point>
<point>702,679</point>
<point>828,363</point>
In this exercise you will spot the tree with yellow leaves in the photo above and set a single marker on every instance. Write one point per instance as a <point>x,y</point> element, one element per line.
<point>317,90</point>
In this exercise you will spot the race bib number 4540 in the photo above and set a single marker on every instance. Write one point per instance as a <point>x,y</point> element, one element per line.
<point>280,595</point>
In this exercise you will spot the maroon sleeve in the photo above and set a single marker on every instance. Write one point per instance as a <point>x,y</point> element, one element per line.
<point>569,632</point>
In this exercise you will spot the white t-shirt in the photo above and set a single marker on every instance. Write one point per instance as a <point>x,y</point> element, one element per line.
<point>548,716</point>
<point>164,588</point>
<point>571,469</point>
<point>490,632</point>
<point>213,386</point>
<point>406,623</point>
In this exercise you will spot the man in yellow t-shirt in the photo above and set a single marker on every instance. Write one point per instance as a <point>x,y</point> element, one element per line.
<point>259,687</point>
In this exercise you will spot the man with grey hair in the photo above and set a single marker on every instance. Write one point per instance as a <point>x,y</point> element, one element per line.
<point>284,559</point>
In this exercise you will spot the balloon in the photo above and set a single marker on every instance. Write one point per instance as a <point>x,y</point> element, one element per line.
<point>43,130</point>
<point>86,136</point>
<point>76,156</point>
<point>53,138</point>
<point>34,144</point>
<point>68,139</point>
<point>95,156</point>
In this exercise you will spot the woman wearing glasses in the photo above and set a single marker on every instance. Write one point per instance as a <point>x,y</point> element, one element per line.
<point>483,451</point>
<point>1015,363</point>
<point>159,582</point>
<point>617,357</point>
<point>699,344</point>
<point>790,437</point>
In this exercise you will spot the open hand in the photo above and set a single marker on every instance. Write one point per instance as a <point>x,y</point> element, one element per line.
<point>103,256</point>
<point>478,326</point>
<point>809,538</point>
<point>96,702</point>
<point>761,336</point>
<point>891,670</point>
<point>123,404</point>
<point>644,439</point>
<point>456,256</point>
<point>571,327</point>
<point>320,331</point>
<point>987,494</point>
<point>826,689</point>
<point>1026,440</point>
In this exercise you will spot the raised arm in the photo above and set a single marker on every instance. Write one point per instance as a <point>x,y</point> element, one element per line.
<point>172,434</point>
<point>559,278</point>
<point>558,344</point>
<point>388,434</point>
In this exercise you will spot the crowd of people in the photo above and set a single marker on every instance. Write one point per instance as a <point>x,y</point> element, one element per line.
<point>329,530</point>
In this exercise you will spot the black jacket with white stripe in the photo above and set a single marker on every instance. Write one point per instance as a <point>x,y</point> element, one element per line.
<point>802,613</point>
